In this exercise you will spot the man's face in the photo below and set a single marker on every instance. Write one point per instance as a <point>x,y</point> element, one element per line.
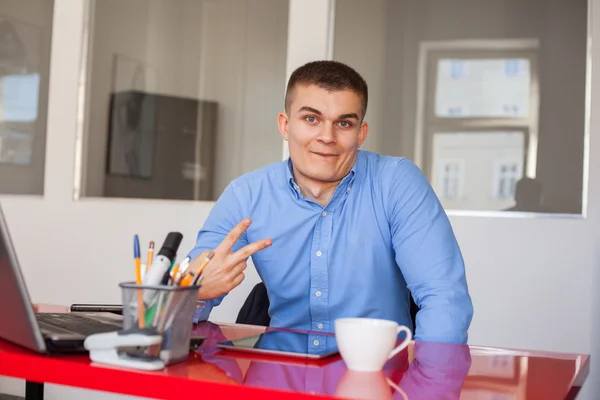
<point>324,131</point>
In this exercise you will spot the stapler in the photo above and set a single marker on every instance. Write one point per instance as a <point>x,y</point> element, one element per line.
<point>126,348</point>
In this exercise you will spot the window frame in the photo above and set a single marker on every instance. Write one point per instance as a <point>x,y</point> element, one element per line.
<point>428,124</point>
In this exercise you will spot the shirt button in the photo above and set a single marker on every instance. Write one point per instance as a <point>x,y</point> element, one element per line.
<point>318,293</point>
<point>320,326</point>
<point>319,254</point>
<point>348,188</point>
<point>324,213</point>
<point>316,342</point>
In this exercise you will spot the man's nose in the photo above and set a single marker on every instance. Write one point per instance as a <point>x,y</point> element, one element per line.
<point>327,134</point>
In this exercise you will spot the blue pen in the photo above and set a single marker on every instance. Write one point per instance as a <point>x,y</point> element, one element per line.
<point>136,246</point>
<point>138,280</point>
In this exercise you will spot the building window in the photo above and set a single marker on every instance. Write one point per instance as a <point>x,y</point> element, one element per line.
<point>479,103</point>
<point>506,175</point>
<point>484,88</point>
<point>451,179</point>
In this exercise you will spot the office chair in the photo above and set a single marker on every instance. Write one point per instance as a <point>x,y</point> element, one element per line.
<point>255,310</point>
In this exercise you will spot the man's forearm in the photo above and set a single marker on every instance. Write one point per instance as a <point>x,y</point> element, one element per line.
<point>444,316</point>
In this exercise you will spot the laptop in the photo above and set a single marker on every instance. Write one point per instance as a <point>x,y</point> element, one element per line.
<point>41,332</point>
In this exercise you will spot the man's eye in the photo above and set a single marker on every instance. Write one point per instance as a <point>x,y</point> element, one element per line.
<point>345,124</point>
<point>310,119</point>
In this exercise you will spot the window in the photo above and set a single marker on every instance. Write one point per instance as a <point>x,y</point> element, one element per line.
<point>480,106</point>
<point>485,68</point>
<point>477,169</point>
<point>483,88</point>
<point>25,38</point>
<point>20,107</point>
<point>451,179</point>
<point>506,175</point>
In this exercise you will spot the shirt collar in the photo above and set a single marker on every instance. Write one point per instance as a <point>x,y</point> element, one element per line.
<point>348,179</point>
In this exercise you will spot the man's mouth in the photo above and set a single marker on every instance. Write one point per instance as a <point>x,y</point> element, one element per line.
<point>324,154</point>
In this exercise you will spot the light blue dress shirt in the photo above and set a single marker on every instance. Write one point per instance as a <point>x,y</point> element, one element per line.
<point>383,233</point>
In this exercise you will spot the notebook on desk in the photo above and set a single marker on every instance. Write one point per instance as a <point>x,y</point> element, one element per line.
<point>41,332</point>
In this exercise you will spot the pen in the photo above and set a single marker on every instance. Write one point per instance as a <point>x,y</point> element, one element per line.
<point>174,274</point>
<point>157,310</point>
<point>138,280</point>
<point>191,278</point>
<point>167,276</point>
<point>183,266</point>
<point>150,255</point>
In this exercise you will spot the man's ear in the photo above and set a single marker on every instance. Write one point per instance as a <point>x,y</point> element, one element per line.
<point>362,133</point>
<point>282,123</point>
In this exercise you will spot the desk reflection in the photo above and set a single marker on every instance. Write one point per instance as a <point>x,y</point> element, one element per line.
<point>437,371</point>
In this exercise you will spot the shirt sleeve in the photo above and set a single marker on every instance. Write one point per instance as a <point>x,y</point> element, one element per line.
<point>429,257</point>
<point>225,214</point>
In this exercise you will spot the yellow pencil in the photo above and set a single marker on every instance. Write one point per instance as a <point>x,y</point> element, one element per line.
<point>150,255</point>
<point>191,277</point>
<point>174,274</point>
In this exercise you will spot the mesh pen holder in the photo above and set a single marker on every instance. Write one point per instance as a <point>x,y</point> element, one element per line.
<point>162,338</point>
<point>167,309</point>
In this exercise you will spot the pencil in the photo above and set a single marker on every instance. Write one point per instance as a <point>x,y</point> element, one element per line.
<point>174,274</point>
<point>191,278</point>
<point>138,281</point>
<point>150,255</point>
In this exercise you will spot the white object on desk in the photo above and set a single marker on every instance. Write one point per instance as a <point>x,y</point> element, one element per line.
<point>104,349</point>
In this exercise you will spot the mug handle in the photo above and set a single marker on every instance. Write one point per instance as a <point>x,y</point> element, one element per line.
<point>396,387</point>
<point>405,343</point>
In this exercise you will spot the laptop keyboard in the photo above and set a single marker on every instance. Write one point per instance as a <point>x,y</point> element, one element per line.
<point>77,323</point>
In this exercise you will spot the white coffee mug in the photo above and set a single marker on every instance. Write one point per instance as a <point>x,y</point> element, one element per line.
<point>366,344</point>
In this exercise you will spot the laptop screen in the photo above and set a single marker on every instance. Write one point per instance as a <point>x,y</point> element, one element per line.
<point>18,325</point>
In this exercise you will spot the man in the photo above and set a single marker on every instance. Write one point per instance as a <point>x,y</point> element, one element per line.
<point>337,231</point>
<point>529,196</point>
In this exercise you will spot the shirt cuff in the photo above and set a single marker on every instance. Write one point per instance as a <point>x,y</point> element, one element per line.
<point>202,312</point>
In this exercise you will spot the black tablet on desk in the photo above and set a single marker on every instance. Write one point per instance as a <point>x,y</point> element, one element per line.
<point>111,308</point>
<point>285,343</point>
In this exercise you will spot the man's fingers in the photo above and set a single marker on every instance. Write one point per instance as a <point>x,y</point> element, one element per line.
<point>250,249</point>
<point>237,280</point>
<point>236,270</point>
<point>232,237</point>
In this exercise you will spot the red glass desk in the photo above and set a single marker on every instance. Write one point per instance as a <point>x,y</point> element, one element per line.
<point>423,371</point>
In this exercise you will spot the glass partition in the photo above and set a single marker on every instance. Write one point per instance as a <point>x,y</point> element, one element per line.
<point>25,38</point>
<point>487,97</point>
<point>181,96</point>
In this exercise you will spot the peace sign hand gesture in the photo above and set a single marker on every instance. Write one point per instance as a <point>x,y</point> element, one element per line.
<point>226,268</point>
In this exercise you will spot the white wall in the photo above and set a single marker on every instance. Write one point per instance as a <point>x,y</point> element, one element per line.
<point>532,280</point>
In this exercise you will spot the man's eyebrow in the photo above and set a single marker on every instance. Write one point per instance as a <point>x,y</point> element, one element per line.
<point>346,116</point>
<point>310,109</point>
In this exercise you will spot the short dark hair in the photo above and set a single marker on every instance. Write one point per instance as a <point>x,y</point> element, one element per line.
<point>329,75</point>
